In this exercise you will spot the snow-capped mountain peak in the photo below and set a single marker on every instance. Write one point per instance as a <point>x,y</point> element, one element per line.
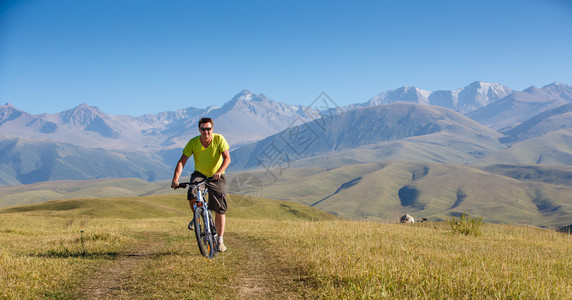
<point>558,90</point>
<point>81,115</point>
<point>469,98</point>
<point>478,94</point>
<point>244,95</point>
<point>403,94</point>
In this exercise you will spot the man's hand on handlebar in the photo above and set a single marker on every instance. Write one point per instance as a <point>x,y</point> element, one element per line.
<point>181,185</point>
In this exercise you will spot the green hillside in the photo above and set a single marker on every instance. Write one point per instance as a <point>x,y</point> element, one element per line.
<point>558,175</point>
<point>385,191</point>
<point>435,148</point>
<point>553,148</point>
<point>165,206</point>
<point>70,189</point>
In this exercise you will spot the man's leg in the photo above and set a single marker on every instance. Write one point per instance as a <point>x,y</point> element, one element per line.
<point>220,221</point>
<point>217,203</point>
<point>196,176</point>
<point>191,225</point>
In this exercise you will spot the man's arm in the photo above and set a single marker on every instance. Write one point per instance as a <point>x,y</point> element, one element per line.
<point>225,163</point>
<point>179,170</point>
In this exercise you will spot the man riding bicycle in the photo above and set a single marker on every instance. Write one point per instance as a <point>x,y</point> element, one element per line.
<point>211,157</point>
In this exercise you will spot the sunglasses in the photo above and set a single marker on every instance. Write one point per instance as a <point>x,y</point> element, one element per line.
<point>205,128</point>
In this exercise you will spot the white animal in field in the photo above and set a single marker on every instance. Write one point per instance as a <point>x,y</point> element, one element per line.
<point>406,218</point>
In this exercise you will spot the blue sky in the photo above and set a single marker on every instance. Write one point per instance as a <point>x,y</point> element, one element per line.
<point>134,57</point>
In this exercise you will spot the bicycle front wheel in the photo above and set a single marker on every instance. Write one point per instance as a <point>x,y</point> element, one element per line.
<point>205,240</point>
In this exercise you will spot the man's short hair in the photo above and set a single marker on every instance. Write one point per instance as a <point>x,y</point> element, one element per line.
<point>206,120</point>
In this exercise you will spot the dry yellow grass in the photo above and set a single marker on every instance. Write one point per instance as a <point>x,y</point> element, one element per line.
<point>290,257</point>
<point>355,260</point>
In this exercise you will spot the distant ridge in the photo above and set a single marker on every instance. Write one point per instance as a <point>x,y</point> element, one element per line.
<point>518,107</point>
<point>369,125</point>
<point>551,120</point>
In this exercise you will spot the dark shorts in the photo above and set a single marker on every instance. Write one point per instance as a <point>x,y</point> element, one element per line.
<point>216,194</point>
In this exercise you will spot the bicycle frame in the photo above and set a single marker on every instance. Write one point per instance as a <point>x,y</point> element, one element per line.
<point>207,237</point>
<point>201,202</point>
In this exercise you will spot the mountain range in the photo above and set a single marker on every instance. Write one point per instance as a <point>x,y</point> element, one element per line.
<point>247,117</point>
<point>123,141</point>
<point>404,150</point>
<point>43,147</point>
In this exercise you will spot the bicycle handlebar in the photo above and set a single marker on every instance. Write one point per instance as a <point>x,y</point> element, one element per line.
<point>183,185</point>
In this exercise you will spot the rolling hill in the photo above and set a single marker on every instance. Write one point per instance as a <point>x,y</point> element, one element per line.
<point>557,175</point>
<point>385,191</point>
<point>75,189</point>
<point>553,148</point>
<point>162,206</point>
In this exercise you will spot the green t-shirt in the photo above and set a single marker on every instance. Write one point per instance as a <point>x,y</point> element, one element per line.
<point>207,160</point>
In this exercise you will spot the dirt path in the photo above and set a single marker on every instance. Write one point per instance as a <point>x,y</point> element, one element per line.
<point>113,279</point>
<point>262,274</point>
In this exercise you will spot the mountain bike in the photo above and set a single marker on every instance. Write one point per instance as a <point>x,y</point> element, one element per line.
<point>205,230</point>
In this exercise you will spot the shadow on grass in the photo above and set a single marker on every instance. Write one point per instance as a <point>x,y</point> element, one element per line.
<point>109,255</point>
<point>78,254</point>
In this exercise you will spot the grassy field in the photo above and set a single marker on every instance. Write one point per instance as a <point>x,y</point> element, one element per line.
<point>140,248</point>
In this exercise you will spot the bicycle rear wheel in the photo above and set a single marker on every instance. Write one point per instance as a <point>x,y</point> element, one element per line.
<point>204,240</point>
